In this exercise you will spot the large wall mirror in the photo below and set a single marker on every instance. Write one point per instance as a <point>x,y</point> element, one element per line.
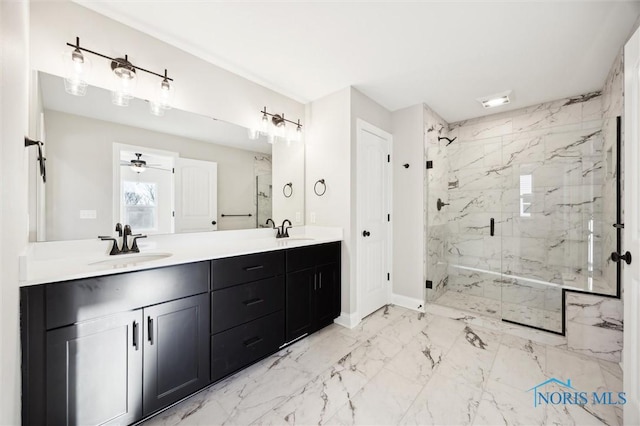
<point>179,172</point>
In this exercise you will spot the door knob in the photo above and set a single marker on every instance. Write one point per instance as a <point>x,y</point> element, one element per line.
<point>618,257</point>
<point>366,233</point>
<point>213,222</point>
<point>441,204</point>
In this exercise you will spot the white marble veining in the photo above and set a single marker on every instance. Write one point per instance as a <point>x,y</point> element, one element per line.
<point>456,369</point>
<point>66,260</point>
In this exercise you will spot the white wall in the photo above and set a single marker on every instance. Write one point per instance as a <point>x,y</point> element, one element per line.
<point>14,21</point>
<point>288,166</point>
<point>79,152</point>
<point>328,156</point>
<point>408,205</point>
<point>200,86</point>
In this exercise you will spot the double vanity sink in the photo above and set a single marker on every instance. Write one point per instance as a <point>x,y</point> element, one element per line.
<point>115,339</point>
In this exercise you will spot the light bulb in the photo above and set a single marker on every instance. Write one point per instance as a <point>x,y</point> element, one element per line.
<point>77,66</point>
<point>124,81</point>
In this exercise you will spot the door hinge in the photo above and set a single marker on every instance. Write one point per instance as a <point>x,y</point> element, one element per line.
<point>388,276</point>
<point>173,213</point>
<point>173,170</point>
<point>388,217</point>
<point>429,164</point>
<point>388,158</point>
<point>429,284</point>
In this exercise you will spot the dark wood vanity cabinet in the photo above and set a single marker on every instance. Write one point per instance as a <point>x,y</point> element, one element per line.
<point>312,288</point>
<point>116,349</point>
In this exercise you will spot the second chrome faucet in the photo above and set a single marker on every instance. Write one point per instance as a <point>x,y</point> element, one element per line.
<point>124,233</point>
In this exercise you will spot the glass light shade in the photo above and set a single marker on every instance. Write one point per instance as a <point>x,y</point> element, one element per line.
<point>280,130</point>
<point>137,169</point>
<point>77,67</point>
<point>265,125</point>
<point>164,94</point>
<point>124,85</point>
<point>156,109</point>
<point>253,134</point>
<point>119,99</point>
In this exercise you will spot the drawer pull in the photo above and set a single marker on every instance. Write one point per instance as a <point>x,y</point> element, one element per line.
<point>253,341</point>
<point>253,268</point>
<point>252,302</point>
<point>150,330</point>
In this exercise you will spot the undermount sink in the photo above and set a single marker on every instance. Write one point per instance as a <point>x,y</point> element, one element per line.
<point>121,261</point>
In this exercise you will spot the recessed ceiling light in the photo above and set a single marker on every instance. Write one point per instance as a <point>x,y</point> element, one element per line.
<point>498,99</point>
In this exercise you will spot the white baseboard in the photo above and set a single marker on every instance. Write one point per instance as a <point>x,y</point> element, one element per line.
<point>408,302</point>
<point>348,320</point>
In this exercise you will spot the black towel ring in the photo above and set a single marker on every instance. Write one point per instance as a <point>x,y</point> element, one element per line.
<point>286,193</point>
<point>324,186</point>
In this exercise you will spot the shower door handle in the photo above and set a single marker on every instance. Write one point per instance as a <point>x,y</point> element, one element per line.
<point>492,226</point>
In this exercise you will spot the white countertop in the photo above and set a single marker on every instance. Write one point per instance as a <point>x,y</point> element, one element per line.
<point>69,260</point>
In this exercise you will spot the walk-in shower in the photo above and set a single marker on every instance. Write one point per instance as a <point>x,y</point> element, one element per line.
<point>531,197</point>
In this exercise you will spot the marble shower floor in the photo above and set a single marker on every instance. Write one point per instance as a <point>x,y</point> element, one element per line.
<point>541,318</point>
<point>403,367</point>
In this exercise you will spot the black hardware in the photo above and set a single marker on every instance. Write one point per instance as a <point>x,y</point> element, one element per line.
<point>406,165</point>
<point>253,341</point>
<point>273,225</point>
<point>135,335</point>
<point>134,244</point>
<point>616,257</point>
<point>492,225</point>
<point>388,276</point>
<point>429,284</point>
<point>253,268</point>
<point>441,204</point>
<point>315,189</point>
<point>619,204</point>
<point>43,171</point>
<point>236,215</point>
<point>119,229</point>
<point>388,158</point>
<point>447,139</point>
<point>388,218</point>
<point>252,302</point>
<point>278,119</point>
<point>213,222</point>
<point>618,225</point>
<point>320,280</point>
<point>429,164</point>
<point>150,330</point>
<point>118,60</point>
<point>286,193</point>
<point>283,232</point>
<point>125,234</point>
<point>114,248</point>
<point>366,233</point>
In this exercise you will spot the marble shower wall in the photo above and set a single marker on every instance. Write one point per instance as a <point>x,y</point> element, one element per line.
<point>612,107</point>
<point>435,186</point>
<point>538,172</point>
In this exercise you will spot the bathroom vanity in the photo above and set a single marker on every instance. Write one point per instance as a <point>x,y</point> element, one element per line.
<point>114,348</point>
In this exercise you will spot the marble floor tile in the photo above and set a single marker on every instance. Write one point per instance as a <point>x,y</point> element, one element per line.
<point>444,401</point>
<point>383,401</point>
<point>445,366</point>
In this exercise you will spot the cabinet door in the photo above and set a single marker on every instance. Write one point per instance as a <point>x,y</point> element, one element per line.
<point>94,372</point>
<point>299,290</point>
<point>176,350</point>
<point>325,295</point>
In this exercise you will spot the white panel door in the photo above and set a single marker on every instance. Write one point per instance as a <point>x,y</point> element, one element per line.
<point>631,276</point>
<point>196,195</point>
<point>373,208</point>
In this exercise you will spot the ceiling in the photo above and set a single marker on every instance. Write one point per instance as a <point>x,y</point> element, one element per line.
<point>97,104</point>
<point>445,54</point>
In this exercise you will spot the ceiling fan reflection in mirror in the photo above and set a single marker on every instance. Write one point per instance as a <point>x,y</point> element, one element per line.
<point>138,165</point>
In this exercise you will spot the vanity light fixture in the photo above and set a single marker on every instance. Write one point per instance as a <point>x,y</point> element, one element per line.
<point>278,127</point>
<point>125,75</point>
<point>77,66</point>
<point>496,100</point>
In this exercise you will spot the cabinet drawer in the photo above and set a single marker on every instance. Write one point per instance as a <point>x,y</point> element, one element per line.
<point>243,269</point>
<point>75,301</point>
<point>233,349</point>
<point>307,257</point>
<point>243,303</point>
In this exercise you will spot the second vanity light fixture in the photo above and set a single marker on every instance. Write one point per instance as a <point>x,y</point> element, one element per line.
<point>275,125</point>
<point>125,77</point>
